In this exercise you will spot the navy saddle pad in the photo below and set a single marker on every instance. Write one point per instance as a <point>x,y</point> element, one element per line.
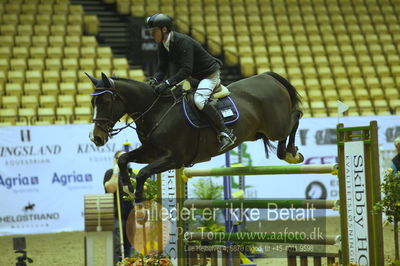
<point>226,107</point>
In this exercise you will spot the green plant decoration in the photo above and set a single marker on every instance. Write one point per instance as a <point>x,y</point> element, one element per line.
<point>390,204</point>
<point>150,190</point>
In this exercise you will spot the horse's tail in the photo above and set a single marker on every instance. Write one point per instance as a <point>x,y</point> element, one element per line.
<point>268,146</point>
<point>295,97</point>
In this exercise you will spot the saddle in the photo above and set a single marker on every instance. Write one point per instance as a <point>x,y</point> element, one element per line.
<point>219,98</point>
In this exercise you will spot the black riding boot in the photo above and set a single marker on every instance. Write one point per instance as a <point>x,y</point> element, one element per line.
<point>225,136</point>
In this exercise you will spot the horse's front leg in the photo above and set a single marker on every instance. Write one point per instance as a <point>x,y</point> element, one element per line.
<point>139,155</point>
<point>157,166</point>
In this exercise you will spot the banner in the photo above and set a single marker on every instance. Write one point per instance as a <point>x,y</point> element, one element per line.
<point>356,202</point>
<point>46,170</point>
<point>169,195</point>
<point>44,173</point>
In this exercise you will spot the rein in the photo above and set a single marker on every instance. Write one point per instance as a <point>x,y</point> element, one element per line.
<point>112,132</point>
<point>116,131</point>
<point>176,101</point>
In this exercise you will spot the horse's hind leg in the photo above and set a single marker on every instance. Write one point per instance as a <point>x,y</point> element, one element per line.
<point>281,150</point>
<point>291,154</point>
<point>291,147</point>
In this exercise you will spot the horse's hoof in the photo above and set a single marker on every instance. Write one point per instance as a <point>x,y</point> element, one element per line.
<point>289,158</point>
<point>301,157</point>
<point>298,158</point>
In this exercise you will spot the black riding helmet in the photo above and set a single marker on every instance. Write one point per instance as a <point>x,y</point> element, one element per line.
<point>159,20</point>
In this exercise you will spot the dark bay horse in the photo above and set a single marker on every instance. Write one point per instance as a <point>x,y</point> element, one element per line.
<point>268,105</point>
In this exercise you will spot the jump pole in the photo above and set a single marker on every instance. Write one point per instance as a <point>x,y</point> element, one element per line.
<point>263,170</point>
<point>261,204</point>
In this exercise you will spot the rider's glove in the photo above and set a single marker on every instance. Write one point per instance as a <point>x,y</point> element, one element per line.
<point>162,87</point>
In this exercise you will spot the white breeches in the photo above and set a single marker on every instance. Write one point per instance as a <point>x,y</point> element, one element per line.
<point>205,88</point>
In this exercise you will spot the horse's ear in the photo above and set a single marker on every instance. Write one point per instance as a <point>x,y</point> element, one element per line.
<point>93,79</point>
<point>106,81</point>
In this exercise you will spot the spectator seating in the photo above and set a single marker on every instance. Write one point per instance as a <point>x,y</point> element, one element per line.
<point>344,50</point>
<point>45,48</point>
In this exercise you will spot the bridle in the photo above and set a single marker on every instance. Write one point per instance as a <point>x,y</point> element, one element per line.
<point>108,128</point>
<point>108,125</point>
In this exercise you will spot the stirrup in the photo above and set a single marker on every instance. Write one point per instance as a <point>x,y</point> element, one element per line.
<point>226,140</point>
<point>226,135</point>
<point>225,144</point>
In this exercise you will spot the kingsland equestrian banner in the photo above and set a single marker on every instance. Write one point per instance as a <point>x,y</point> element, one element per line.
<point>46,170</point>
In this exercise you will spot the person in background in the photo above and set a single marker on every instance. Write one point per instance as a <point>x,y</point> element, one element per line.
<point>396,159</point>
<point>110,183</point>
<point>191,61</point>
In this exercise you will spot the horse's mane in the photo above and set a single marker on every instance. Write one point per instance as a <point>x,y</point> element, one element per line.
<point>135,83</point>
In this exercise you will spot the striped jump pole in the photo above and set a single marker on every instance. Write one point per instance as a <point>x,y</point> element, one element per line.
<point>291,238</point>
<point>264,170</point>
<point>262,204</point>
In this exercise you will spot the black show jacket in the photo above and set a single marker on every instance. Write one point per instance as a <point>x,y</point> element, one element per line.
<point>189,58</point>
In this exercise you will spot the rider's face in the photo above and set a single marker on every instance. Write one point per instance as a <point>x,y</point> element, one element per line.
<point>157,35</point>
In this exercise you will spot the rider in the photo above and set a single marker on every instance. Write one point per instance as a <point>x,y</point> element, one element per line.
<point>191,60</point>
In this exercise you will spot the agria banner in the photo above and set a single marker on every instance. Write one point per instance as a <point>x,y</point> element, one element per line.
<point>44,173</point>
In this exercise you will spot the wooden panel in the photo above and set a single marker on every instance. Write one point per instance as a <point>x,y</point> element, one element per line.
<point>99,211</point>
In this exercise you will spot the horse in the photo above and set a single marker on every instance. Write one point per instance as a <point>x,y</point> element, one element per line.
<point>269,109</point>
